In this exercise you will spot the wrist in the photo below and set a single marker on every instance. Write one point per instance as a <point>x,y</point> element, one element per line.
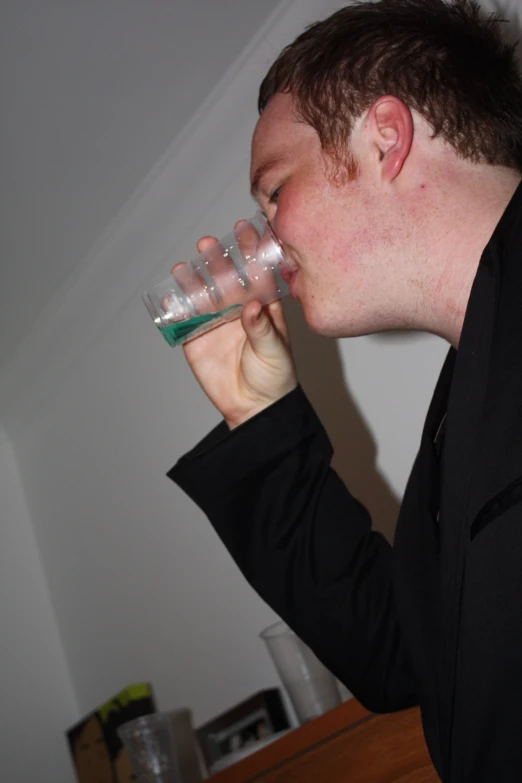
<point>245,414</point>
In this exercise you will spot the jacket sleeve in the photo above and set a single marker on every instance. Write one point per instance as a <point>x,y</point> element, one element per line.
<point>305,544</point>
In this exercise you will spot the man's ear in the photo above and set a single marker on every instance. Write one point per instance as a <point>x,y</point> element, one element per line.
<point>391,126</point>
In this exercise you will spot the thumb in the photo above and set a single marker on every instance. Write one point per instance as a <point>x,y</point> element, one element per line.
<point>261,333</point>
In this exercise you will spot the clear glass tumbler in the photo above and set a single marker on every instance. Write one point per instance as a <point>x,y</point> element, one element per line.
<point>311,687</point>
<point>210,290</point>
<point>151,748</point>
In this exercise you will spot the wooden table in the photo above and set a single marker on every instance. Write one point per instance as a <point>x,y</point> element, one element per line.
<point>347,745</point>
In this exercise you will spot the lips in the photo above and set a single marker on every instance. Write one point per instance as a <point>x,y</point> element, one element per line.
<point>293,286</point>
<point>287,270</point>
<point>287,273</point>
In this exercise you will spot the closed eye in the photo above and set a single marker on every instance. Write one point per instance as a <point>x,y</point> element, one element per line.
<point>274,197</point>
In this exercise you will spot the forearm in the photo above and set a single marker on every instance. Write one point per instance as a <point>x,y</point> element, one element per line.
<point>305,544</point>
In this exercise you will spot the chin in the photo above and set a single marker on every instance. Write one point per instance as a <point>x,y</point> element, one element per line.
<point>320,323</point>
<point>326,325</point>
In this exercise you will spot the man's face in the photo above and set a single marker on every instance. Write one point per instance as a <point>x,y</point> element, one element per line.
<point>343,236</point>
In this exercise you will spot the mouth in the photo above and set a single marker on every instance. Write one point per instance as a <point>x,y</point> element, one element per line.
<point>288,271</point>
<point>292,286</point>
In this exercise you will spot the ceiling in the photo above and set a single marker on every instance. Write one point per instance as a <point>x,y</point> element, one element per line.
<point>92,94</point>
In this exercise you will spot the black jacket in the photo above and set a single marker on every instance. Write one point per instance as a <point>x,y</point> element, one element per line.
<point>437,620</point>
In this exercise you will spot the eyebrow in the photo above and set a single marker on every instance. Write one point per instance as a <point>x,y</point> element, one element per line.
<point>262,170</point>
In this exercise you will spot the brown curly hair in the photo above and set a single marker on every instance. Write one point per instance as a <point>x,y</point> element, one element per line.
<point>444,59</point>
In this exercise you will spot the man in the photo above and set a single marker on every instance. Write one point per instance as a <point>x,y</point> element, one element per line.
<point>388,158</point>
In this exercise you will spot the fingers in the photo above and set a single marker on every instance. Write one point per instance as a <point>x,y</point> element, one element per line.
<point>276,313</point>
<point>205,243</point>
<point>225,276</point>
<point>230,280</point>
<point>246,236</point>
<point>198,298</point>
<point>198,281</point>
<point>259,261</point>
<point>266,340</point>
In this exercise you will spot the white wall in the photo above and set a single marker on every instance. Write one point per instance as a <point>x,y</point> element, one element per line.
<point>38,702</point>
<point>100,408</point>
<point>92,93</point>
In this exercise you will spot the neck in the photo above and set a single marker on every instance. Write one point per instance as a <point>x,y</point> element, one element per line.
<point>470,205</point>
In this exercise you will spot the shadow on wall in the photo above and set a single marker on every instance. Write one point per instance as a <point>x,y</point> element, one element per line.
<point>321,375</point>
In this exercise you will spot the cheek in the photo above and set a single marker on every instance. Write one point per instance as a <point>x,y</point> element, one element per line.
<point>288,222</point>
<point>297,214</point>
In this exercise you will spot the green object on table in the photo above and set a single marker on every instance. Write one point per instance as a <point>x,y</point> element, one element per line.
<point>181,331</point>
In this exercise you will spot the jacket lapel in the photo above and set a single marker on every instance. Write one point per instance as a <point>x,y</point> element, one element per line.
<point>458,463</point>
<point>499,457</point>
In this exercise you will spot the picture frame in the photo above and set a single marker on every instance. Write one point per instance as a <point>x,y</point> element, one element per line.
<point>257,717</point>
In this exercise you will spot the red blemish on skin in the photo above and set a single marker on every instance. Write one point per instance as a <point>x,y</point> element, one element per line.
<point>423,186</point>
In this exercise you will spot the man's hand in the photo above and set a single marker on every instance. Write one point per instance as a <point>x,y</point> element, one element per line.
<point>246,365</point>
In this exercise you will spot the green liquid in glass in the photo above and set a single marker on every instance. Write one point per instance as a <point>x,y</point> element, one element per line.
<point>181,331</point>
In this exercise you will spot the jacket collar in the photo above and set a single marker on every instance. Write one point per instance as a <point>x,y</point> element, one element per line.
<point>483,439</point>
<point>499,452</point>
<point>480,386</point>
